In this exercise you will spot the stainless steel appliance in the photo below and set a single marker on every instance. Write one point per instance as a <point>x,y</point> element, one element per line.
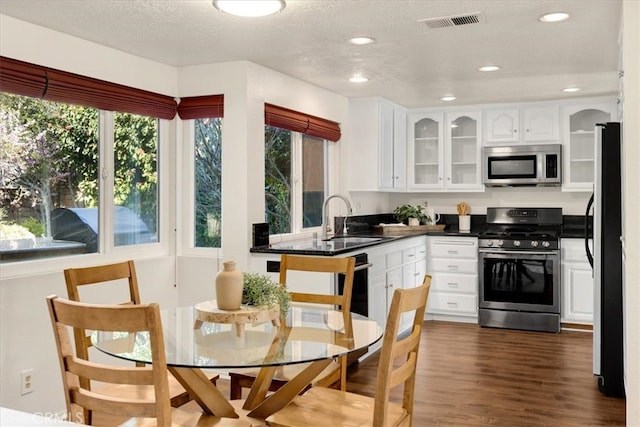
<point>519,269</point>
<point>533,165</point>
<point>606,260</point>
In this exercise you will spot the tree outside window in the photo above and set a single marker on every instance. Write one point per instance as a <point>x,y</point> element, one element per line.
<point>208,182</point>
<point>295,180</point>
<point>49,163</point>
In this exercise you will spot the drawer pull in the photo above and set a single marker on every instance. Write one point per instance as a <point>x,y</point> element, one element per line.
<point>411,255</point>
<point>453,267</point>
<point>452,304</point>
<point>452,252</point>
<point>452,285</point>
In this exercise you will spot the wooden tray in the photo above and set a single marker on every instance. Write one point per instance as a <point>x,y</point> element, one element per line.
<point>208,311</point>
<point>395,230</point>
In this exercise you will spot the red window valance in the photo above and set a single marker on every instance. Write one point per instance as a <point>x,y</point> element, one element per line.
<point>23,78</point>
<point>201,107</point>
<point>300,122</point>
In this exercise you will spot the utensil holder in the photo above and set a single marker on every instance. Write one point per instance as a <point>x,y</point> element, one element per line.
<point>464,223</point>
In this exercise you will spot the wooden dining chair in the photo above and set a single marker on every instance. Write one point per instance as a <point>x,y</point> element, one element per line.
<point>113,275</point>
<point>327,407</point>
<point>336,373</point>
<point>135,410</point>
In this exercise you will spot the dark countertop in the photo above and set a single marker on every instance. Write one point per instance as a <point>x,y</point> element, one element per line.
<point>361,227</point>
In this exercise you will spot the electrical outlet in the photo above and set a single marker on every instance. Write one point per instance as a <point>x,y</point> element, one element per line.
<point>26,381</point>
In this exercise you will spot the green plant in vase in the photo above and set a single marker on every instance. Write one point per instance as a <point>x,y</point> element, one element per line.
<point>260,290</point>
<point>405,212</point>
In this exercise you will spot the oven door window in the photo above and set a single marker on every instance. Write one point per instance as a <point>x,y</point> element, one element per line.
<point>519,280</point>
<point>512,167</point>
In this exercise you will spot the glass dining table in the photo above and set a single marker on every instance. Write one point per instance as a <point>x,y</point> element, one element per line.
<point>309,335</point>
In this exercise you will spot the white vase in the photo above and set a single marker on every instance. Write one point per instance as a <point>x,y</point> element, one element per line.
<point>229,287</point>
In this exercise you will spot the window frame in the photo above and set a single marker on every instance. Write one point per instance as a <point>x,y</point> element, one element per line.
<point>186,196</point>
<point>298,187</point>
<point>107,251</point>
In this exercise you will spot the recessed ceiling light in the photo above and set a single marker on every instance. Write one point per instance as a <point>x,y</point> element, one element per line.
<point>250,8</point>
<point>448,98</point>
<point>358,79</point>
<point>571,89</point>
<point>553,17</point>
<point>362,40</point>
<point>489,68</point>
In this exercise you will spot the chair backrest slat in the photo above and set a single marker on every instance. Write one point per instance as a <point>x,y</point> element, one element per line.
<point>399,355</point>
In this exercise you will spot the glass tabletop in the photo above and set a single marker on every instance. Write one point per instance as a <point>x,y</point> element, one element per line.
<point>309,334</point>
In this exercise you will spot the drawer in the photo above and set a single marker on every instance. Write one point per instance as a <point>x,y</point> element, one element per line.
<point>453,248</point>
<point>447,303</point>
<point>453,265</point>
<point>421,252</point>
<point>409,255</point>
<point>455,283</point>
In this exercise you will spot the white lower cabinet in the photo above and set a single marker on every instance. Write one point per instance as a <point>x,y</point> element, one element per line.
<point>577,283</point>
<point>400,264</point>
<point>453,265</point>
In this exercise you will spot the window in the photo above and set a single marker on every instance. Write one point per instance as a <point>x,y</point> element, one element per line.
<point>50,183</point>
<point>295,180</point>
<point>207,183</point>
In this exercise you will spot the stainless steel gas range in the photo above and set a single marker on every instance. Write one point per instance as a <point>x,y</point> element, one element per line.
<point>519,269</point>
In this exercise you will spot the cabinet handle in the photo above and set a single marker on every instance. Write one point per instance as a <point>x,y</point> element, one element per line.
<point>452,252</point>
<point>416,274</point>
<point>515,131</point>
<point>452,285</point>
<point>452,304</point>
<point>453,267</point>
<point>411,255</point>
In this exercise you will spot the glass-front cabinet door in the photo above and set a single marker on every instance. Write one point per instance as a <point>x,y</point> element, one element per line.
<point>425,151</point>
<point>464,162</point>
<point>579,144</point>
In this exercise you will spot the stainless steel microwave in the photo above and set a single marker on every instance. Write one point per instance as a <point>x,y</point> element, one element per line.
<point>538,165</point>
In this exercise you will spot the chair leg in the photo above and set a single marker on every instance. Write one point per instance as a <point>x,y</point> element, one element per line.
<point>235,389</point>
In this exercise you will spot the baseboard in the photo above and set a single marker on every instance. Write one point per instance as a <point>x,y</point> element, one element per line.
<point>576,327</point>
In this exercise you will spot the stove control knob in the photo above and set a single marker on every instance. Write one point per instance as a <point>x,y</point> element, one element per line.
<point>489,242</point>
<point>534,243</point>
<point>500,242</point>
<point>546,244</point>
<point>516,243</point>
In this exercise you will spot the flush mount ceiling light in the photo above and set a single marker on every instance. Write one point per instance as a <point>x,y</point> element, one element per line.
<point>362,40</point>
<point>358,79</point>
<point>553,17</point>
<point>448,98</point>
<point>571,89</point>
<point>248,8</point>
<point>487,68</point>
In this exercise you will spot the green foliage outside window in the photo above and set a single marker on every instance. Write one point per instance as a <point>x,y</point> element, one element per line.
<point>208,183</point>
<point>277,187</point>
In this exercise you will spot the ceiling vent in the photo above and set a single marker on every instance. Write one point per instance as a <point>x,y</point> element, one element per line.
<point>453,21</point>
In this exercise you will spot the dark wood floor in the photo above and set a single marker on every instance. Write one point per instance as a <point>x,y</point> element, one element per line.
<point>472,376</point>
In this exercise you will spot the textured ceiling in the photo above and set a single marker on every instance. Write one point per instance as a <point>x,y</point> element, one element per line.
<point>409,64</point>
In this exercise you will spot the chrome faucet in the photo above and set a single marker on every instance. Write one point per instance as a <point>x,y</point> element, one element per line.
<point>325,219</point>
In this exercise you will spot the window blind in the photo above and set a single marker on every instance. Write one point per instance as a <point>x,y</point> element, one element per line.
<point>23,78</point>
<point>300,122</point>
<point>201,107</point>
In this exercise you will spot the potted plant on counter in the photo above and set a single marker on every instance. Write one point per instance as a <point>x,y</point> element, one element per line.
<point>260,290</point>
<point>410,214</point>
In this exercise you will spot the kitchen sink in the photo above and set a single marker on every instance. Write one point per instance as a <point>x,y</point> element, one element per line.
<point>355,239</point>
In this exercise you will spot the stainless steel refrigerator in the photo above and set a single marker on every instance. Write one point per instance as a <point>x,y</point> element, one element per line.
<point>606,261</point>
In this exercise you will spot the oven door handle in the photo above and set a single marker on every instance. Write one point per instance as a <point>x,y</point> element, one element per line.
<point>363,266</point>
<point>507,253</point>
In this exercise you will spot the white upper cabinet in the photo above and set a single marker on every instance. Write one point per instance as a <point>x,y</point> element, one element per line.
<point>444,152</point>
<point>426,151</point>
<point>579,143</point>
<point>463,159</point>
<point>522,125</point>
<point>377,145</point>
